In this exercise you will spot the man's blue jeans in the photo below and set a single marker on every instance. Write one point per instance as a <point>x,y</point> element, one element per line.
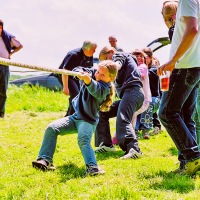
<point>4,78</point>
<point>65,126</point>
<point>176,110</point>
<point>196,117</point>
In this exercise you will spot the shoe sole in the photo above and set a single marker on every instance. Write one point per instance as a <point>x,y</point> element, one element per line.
<point>37,165</point>
<point>194,170</point>
<point>95,173</point>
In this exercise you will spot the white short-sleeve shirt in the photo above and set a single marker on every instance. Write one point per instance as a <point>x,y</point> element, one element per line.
<point>191,58</point>
<point>3,51</point>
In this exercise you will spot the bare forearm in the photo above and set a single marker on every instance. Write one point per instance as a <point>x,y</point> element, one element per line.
<point>16,50</point>
<point>65,80</point>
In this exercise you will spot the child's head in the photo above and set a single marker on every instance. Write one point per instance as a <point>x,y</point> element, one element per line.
<point>140,55</point>
<point>149,54</point>
<point>169,12</point>
<point>107,71</point>
<point>106,53</point>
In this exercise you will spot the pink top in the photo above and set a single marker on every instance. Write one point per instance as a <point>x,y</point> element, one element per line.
<point>145,81</point>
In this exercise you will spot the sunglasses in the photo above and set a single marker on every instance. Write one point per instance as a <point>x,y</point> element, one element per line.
<point>1,23</point>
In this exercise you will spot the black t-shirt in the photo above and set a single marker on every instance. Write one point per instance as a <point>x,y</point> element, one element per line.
<point>76,58</point>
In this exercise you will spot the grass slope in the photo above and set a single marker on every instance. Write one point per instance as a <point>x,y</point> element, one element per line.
<point>29,110</point>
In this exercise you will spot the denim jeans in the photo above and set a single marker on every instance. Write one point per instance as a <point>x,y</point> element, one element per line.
<point>176,110</point>
<point>4,78</point>
<point>65,126</point>
<point>145,119</point>
<point>124,109</point>
<point>196,118</point>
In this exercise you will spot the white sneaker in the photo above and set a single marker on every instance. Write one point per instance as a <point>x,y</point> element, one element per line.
<point>103,149</point>
<point>132,154</point>
<point>156,130</point>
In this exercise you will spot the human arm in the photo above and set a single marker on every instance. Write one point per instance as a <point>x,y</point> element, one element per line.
<point>68,63</point>
<point>191,30</point>
<point>65,84</point>
<point>143,70</point>
<point>16,46</point>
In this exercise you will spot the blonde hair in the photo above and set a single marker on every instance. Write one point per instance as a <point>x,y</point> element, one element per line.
<point>169,10</point>
<point>155,62</point>
<point>112,69</point>
<point>104,51</point>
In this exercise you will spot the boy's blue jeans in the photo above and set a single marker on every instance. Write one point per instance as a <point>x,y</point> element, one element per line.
<point>4,78</point>
<point>176,110</point>
<point>65,126</point>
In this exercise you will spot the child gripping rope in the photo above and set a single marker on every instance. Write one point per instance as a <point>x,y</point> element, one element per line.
<point>95,94</point>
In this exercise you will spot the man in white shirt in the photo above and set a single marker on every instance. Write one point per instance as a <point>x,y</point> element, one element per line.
<point>8,46</point>
<point>178,104</point>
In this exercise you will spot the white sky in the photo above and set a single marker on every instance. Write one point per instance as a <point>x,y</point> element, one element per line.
<point>48,29</point>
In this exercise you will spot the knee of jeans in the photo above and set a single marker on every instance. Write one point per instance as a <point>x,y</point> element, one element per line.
<point>83,141</point>
<point>161,114</point>
<point>50,129</point>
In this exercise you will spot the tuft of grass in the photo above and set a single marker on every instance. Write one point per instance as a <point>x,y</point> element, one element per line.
<point>21,134</point>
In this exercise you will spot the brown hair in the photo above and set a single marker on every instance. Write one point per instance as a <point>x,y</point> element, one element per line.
<point>148,51</point>
<point>139,52</point>
<point>112,68</point>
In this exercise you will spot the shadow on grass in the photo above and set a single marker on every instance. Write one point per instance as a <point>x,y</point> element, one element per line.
<point>173,151</point>
<point>108,155</point>
<point>70,171</point>
<point>171,182</point>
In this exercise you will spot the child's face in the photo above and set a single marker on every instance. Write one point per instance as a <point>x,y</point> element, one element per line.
<point>140,58</point>
<point>102,74</point>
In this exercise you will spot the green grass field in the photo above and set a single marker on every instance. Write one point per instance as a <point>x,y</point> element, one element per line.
<point>30,110</point>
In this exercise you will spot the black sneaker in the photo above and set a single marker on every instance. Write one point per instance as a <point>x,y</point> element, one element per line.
<point>2,115</point>
<point>92,170</point>
<point>43,165</point>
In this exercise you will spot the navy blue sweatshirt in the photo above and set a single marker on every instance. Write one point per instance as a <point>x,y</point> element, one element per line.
<point>87,103</point>
<point>129,75</point>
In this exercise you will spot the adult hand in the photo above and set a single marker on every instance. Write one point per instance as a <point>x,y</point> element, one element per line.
<point>66,91</point>
<point>169,66</point>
